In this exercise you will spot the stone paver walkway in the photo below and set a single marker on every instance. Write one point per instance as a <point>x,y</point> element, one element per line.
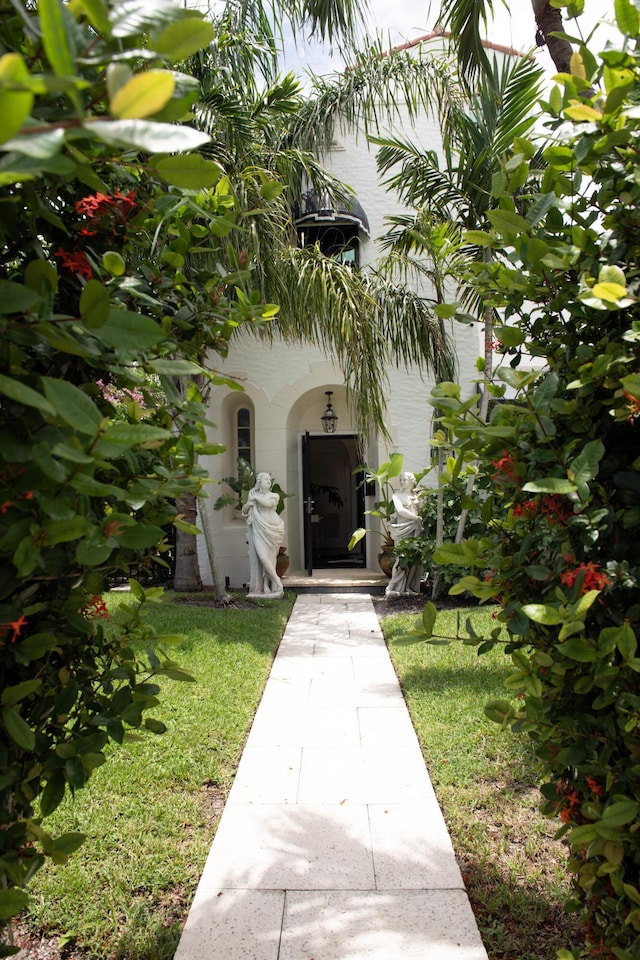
<point>332,845</point>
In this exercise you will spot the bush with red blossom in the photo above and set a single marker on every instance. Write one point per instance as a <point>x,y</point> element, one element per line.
<point>560,554</point>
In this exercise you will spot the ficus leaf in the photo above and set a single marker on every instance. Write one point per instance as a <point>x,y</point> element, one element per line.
<point>192,171</point>
<point>15,104</point>
<point>182,38</point>
<point>142,96</point>
<point>72,405</point>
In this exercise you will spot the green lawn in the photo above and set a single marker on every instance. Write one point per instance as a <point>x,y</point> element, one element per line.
<point>486,781</point>
<point>150,812</point>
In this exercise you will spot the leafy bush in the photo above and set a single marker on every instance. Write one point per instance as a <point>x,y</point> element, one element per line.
<point>562,454</point>
<point>107,287</point>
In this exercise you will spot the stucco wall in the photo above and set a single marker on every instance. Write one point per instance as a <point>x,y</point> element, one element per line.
<point>284,387</point>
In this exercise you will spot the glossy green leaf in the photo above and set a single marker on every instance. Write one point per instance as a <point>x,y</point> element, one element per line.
<point>429,615</point>
<point>579,648</point>
<point>113,263</point>
<point>94,304</point>
<point>16,390</point>
<point>128,331</point>
<point>15,104</point>
<point>12,902</point>
<point>177,367</point>
<point>142,96</point>
<point>509,336</point>
<point>55,37</point>
<point>18,729</point>
<point>507,223</point>
<point>627,642</point>
<point>550,485</point>
<point>586,465</point>
<point>499,711</point>
<point>190,171</point>
<point>41,277</point>
<point>13,695</point>
<point>62,531</point>
<point>611,292</point>
<point>478,238</point>
<point>53,793</point>
<point>96,13</point>
<point>147,135</point>
<point>627,17</point>
<point>541,613</point>
<point>182,38</point>
<point>16,298</point>
<point>621,812</point>
<point>70,842</point>
<point>72,405</point>
<point>134,434</point>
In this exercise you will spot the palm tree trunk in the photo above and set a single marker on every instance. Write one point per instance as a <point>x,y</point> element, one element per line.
<point>223,598</point>
<point>437,577</point>
<point>484,400</point>
<point>548,21</point>
<point>187,571</point>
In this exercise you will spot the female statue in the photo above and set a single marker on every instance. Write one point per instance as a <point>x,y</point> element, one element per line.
<point>407,524</point>
<point>265,530</point>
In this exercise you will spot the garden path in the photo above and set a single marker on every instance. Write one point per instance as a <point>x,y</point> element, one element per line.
<point>331,845</point>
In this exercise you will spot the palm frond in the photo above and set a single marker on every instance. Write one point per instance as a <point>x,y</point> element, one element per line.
<point>464,19</point>
<point>378,88</point>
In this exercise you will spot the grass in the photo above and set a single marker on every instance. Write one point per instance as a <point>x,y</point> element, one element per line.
<point>150,812</point>
<point>486,782</point>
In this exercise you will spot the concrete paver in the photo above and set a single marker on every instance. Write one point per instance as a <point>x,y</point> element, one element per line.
<point>332,845</point>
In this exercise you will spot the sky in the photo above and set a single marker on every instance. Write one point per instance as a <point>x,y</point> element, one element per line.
<point>400,21</point>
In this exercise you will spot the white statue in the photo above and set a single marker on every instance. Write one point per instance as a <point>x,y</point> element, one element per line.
<point>407,524</point>
<point>265,530</point>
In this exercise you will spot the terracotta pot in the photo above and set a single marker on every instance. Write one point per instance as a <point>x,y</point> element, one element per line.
<point>282,562</point>
<point>384,559</point>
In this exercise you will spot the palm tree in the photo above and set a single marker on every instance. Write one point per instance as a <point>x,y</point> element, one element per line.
<point>266,137</point>
<point>466,17</point>
<point>460,193</point>
<point>271,132</point>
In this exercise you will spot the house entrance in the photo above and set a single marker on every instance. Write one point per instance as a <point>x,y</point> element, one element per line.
<point>333,501</point>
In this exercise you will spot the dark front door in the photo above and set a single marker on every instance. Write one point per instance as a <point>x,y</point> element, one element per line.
<point>333,501</point>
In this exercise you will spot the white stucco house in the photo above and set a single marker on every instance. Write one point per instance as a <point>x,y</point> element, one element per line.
<point>276,422</point>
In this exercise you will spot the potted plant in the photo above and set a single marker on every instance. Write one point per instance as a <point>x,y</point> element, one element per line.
<point>383,507</point>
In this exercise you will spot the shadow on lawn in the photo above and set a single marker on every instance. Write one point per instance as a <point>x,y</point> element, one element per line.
<point>479,679</point>
<point>517,917</point>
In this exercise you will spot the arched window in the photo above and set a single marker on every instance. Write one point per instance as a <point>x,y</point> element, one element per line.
<point>244,433</point>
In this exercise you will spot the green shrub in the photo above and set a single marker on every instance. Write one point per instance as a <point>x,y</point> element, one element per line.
<point>102,293</point>
<point>561,553</point>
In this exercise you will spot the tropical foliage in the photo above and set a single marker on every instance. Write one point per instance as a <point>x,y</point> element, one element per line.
<point>104,217</point>
<point>561,453</point>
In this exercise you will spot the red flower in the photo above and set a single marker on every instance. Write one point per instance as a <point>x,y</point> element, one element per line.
<point>109,211</point>
<point>594,786</point>
<point>16,626</point>
<point>505,467</point>
<point>74,262</point>
<point>95,609</point>
<point>593,577</point>
<point>633,406</point>
<point>555,509</point>
<point>527,509</point>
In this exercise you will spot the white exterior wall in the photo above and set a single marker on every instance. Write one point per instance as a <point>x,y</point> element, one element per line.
<point>284,386</point>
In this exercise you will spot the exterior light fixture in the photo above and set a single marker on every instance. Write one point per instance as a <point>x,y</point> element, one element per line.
<point>329,417</point>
